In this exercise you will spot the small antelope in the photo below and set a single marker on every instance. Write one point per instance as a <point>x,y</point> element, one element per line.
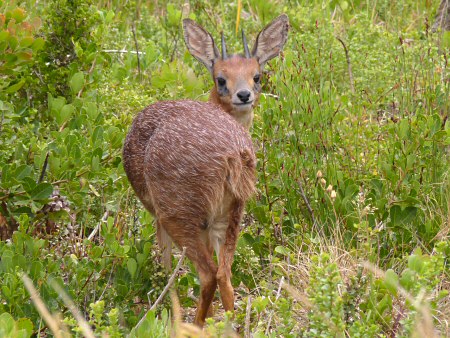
<point>192,164</point>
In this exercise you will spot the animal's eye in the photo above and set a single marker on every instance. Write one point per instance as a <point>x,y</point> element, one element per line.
<point>256,78</point>
<point>221,81</point>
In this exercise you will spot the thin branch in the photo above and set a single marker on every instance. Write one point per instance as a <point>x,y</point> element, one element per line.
<point>270,95</point>
<point>349,65</point>
<point>276,298</point>
<point>305,199</point>
<point>52,323</point>
<point>44,168</point>
<point>442,17</point>
<point>109,281</point>
<point>247,317</point>
<point>167,287</point>
<point>172,56</point>
<point>103,220</point>
<point>1,122</point>
<point>133,29</point>
<point>122,51</point>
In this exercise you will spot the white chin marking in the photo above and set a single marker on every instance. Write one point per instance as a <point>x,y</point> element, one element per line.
<point>242,108</point>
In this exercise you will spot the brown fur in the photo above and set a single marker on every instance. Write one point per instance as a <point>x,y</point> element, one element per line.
<point>192,164</point>
<point>185,168</point>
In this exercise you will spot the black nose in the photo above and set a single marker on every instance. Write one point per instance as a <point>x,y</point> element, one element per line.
<point>243,95</point>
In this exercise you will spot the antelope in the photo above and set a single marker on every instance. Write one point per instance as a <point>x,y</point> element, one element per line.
<point>192,163</point>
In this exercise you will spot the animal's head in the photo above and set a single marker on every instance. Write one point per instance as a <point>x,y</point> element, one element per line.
<point>237,78</point>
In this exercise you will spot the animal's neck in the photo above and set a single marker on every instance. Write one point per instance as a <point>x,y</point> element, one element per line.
<point>245,119</point>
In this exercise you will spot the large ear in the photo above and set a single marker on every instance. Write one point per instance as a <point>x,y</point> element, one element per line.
<point>200,43</point>
<point>271,39</point>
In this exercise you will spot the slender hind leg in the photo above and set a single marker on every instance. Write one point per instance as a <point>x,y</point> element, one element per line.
<point>208,286</point>
<point>227,250</point>
<point>210,248</point>
<point>199,251</point>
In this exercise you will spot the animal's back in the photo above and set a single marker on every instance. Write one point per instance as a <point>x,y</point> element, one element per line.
<point>184,157</point>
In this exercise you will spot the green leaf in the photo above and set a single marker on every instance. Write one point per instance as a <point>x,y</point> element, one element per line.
<point>15,87</point>
<point>132,267</point>
<point>36,269</point>
<point>109,16</point>
<point>65,113</point>
<point>400,217</point>
<point>384,303</point>
<point>415,263</point>
<point>22,172</point>
<point>38,44</point>
<point>76,82</point>
<point>260,303</point>
<point>26,41</point>
<point>7,293</point>
<point>56,103</point>
<point>4,35</point>
<point>41,191</point>
<point>13,42</point>
<point>391,281</point>
<point>26,325</point>
<point>91,110</point>
<point>6,261</point>
<point>6,325</point>
<point>97,135</point>
<point>282,250</point>
<point>24,56</point>
<point>18,14</point>
<point>407,279</point>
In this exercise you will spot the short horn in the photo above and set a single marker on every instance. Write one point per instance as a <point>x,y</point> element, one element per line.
<point>244,40</point>
<point>224,48</point>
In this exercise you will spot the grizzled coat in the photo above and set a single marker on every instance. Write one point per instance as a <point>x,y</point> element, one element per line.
<point>192,163</point>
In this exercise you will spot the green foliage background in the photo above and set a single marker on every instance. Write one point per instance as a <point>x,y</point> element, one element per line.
<point>353,166</point>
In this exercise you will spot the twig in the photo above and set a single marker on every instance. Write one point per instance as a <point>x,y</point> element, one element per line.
<point>270,95</point>
<point>109,281</point>
<point>247,317</point>
<point>276,298</point>
<point>1,122</point>
<point>133,29</point>
<point>191,296</point>
<point>39,76</point>
<point>171,280</point>
<point>122,51</point>
<point>8,194</point>
<point>94,232</point>
<point>87,331</point>
<point>441,19</point>
<point>167,287</point>
<point>52,323</point>
<point>349,65</point>
<point>302,192</point>
<point>44,168</point>
<point>88,73</point>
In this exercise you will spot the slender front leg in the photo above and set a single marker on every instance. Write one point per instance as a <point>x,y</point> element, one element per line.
<point>208,286</point>
<point>199,251</point>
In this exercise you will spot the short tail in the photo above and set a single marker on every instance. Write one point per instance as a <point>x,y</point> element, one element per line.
<point>165,246</point>
<point>241,175</point>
